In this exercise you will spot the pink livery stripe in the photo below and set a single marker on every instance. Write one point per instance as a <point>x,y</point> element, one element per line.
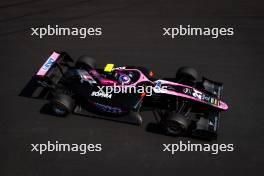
<point>222,105</point>
<point>49,62</point>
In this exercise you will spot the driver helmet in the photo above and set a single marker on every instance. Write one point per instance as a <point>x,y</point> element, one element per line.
<point>124,79</point>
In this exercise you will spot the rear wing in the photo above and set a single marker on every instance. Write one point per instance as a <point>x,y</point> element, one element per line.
<point>54,67</point>
<point>56,59</point>
<point>48,75</point>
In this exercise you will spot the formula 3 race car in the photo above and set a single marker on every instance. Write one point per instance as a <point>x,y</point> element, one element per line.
<point>181,105</point>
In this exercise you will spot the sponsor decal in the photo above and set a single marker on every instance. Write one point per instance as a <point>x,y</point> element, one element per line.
<point>197,94</point>
<point>186,90</point>
<point>43,83</point>
<point>212,100</point>
<point>119,68</point>
<point>109,109</point>
<point>86,77</point>
<point>206,98</point>
<point>158,85</point>
<point>109,67</point>
<point>101,94</point>
<point>215,102</point>
<point>48,64</point>
<point>211,123</point>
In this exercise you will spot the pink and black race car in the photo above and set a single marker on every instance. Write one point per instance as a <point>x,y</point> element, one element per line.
<point>181,105</point>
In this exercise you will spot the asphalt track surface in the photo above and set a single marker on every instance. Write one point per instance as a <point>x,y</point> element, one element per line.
<point>132,35</point>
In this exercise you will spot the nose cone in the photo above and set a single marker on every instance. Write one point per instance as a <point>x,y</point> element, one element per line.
<point>223,105</point>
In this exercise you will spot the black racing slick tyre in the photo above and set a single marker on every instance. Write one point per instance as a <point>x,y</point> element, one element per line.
<point>187,75</point>
<point>85,62</point>
<point>62,104</point>
<point>176,125</point>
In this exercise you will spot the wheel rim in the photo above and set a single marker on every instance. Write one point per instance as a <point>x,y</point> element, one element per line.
<point>59,109</point>
<point>174,128</point>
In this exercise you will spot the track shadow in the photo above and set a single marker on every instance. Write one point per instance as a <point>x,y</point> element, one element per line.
<point>34,90</point>
<point>31,89</point>
<point>154,128</point>
<point>46,109</point>
<point>157,129</point>
<point>126,117</point>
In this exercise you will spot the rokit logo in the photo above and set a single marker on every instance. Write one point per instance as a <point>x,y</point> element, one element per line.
<point>197,94</point>
<point>207,98</point>
<point>101,94</point>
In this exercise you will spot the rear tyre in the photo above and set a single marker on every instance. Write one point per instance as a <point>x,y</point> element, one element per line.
<point>62,104</point>
<point>85,62</point>
<point>176,125</point>
<point>187,75</point>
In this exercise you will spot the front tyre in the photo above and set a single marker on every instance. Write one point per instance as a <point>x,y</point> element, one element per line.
<point>176,124</point>
<point>62,104</point>
<point>187,75</point>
